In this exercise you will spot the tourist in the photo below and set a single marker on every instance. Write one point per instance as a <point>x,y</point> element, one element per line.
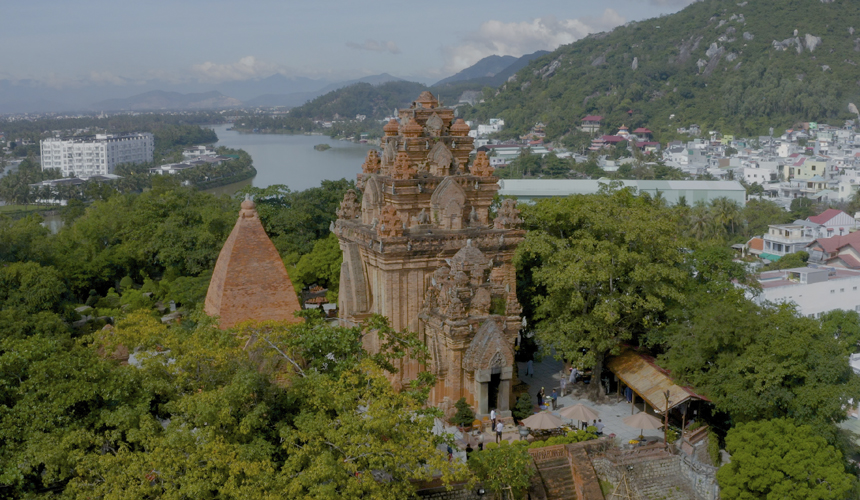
<point>469,451</point>
<point>573,374</point>
<point>493,417</point>
<point>540,396</point>
<point>563,384</point>
<point>530,369</point>
<point>554,397</point>
<point>499,428</point>
<point>600,427</point>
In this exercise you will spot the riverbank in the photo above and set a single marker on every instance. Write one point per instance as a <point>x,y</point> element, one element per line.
<point>19,211</point>
<point>250,173</point>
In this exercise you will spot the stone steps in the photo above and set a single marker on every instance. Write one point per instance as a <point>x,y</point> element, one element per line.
<point>664,488</point>
<point>557,479</point>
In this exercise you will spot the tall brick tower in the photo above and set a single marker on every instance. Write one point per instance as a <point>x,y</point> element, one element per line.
<point>420,249</point>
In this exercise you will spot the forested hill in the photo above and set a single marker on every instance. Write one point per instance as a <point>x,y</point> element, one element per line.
<point>373,101</point>
<point>737,67</point>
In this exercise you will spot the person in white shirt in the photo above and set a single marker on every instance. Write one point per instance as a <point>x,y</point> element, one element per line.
<point>600,427</point>
<point>499,428</point>
<point>563,384</point>
<point>493,417</point>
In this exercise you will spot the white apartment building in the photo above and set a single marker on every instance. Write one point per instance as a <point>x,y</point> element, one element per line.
<point>99,155</point>
<point>814,290</point>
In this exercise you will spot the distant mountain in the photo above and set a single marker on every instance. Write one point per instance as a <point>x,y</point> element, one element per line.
<point>293,99</point>
<point>276,84</point>
<point>490,71</point>
<point>373,101</point>
<point>487,67</point>
<point>736,67</point>
<point>159,99</point>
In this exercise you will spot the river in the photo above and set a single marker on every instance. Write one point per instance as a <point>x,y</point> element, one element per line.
<point>292,159</point>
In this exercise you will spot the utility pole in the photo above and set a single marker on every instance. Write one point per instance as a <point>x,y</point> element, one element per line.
<point>666,420</point>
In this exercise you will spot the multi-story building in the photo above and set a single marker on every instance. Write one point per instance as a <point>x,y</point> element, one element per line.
<point>814,290</point>
<point>98,155</point>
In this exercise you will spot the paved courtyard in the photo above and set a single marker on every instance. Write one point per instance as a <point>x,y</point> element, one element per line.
<point>548,373</point>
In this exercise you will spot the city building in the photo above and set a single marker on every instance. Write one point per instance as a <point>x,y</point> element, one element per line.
<point>95,155</point>
<point>420,249</point>
<point>814,290</point>
<point>530,190</point>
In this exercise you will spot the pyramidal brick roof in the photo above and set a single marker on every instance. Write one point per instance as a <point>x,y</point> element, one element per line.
<point>250,281</point>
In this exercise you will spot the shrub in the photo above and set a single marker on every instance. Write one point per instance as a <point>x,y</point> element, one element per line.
<point>714,447</point>
<point>523,408</point>
<point>464,415</point>
<point>126,283</point>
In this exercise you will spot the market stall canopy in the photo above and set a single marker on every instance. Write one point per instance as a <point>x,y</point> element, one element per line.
<point>642,421</point>
<point>579,412</point>
<point>641,373</point>
<point>543,420</point>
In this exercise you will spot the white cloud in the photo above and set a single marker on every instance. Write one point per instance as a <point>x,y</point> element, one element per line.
<point>375,46</point>
<point>106,77</point>
<point>517,39</point>
<point>246,68</point>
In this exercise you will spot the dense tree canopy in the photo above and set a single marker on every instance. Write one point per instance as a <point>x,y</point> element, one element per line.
<point>776,459</point>
<point>602,269</point>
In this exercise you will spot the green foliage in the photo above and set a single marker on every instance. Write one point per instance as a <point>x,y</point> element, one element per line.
<point>801,208</point>
<point>778,459</point>
<point>505,467</point>
<point>30,287</point>
<point>569,438</point>
<point>126,282</point>
<point>845,328</point>
<point>187,290</point>
<point>714,448</point>
<point>600,269</point>
<point>464,416</point>
<point>321,266</point>
<point>792,260</point>
<point>523,408</point>
<point>760,362</point>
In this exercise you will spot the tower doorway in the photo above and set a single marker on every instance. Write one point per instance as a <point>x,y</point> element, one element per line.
<point>493,390</point>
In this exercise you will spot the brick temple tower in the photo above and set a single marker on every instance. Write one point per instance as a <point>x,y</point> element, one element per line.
<point>250,281</point>
<point>420,249</point>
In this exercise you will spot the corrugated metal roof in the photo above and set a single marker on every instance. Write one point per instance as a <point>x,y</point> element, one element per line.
<point>641,373</point>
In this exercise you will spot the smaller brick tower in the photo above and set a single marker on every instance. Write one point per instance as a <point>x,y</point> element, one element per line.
<point>250,281</point>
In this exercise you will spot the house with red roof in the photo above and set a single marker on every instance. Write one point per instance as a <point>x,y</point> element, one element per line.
<point>837,251</point>
<point>591,124</point>
<point>835,222</point>
<point>643,133</point>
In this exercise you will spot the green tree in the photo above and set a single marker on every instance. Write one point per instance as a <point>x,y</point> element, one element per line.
<point>599,270</point>
<point>758,362</point>
<point>801,208</point>
<point>777,459</point>
<point>504,469</point>
<point>796,259</point>
<point>523,408</point>
<point>321,266</point>
<point>844,326</point>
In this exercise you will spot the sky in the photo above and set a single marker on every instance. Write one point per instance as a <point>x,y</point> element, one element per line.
<point>63,43</point>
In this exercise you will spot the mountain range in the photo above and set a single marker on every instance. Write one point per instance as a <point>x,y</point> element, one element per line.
<point>491,71</point>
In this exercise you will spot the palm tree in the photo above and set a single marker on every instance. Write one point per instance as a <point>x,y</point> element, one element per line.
<point>726,212</point>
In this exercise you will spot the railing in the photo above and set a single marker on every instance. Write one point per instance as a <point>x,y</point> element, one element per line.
<point>548,453</point>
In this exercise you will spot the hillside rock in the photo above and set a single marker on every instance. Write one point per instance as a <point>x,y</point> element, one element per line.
<point>713,50</point>
<point>812,42</point>
<point>635,64</point>
<point>748,35</point>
